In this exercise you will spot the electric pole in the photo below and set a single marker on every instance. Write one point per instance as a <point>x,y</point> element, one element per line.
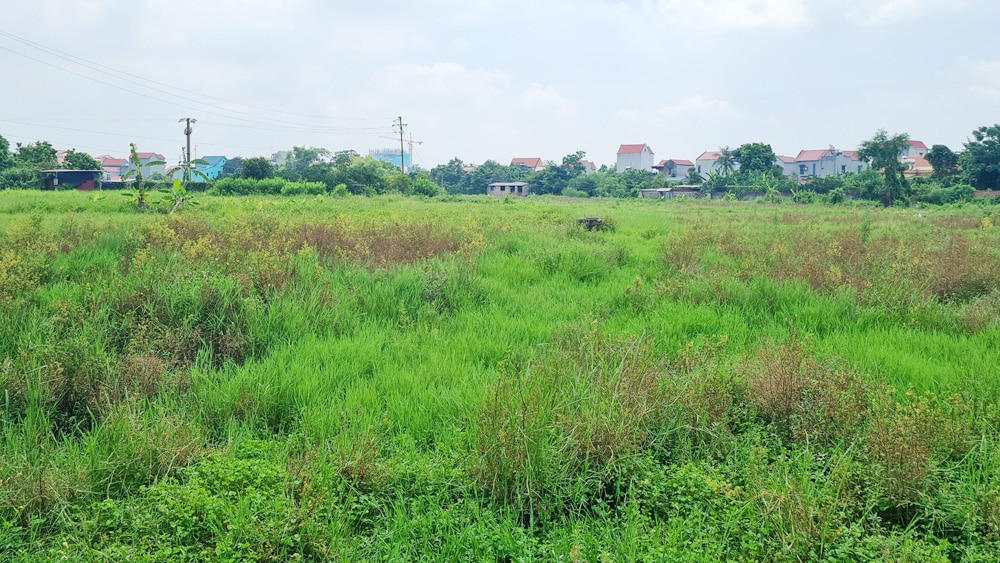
<point>187,131</point>
<point>402,154</point>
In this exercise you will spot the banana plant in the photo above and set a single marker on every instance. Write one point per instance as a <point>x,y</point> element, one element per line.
<point>177,195</point>
<point>138,191</point>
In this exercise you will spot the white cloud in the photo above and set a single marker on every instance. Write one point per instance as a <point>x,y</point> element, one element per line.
<point>546,98</point>
<point>734,14</point>
<point>697,104</point>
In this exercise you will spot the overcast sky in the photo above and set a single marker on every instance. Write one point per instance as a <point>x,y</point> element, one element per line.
<point>490,79</point>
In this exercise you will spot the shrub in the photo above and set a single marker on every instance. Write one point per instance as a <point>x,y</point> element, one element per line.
<point>805,401</point>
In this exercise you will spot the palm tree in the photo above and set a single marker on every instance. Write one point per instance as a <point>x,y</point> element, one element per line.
<point>726,161</point>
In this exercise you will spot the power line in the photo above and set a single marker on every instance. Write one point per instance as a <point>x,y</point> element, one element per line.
<point>85,62</point>
<point>139,82</point>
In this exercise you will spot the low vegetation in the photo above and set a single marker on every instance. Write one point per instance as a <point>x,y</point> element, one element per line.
<point>267,378</point>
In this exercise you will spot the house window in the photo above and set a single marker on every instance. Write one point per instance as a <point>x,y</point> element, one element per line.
<point>503,188</point>
<point>519,189</point>
<point>802,170</point>
<point>843,168</point>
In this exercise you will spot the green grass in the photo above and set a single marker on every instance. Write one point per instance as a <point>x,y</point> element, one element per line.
<point>468,379</point>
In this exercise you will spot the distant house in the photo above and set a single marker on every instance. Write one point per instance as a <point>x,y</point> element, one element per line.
<point>112,167</point>
<point>86,180</point>
<point>146,163</point>
<point>787,164</point>
<point>915,148</point>
<point>708,162</point>
<point>916,166</point>
<point>634,157</point>
<point>504,189</point>
<point>588,166</point>
<point>530,164</point>
<point>827,162</point>
<point>674,168</point>
<point>213,166</point>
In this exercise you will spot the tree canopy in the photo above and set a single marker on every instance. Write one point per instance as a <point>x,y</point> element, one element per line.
<point>76,160</point>
<point>981,158</point>
<point>882,152</point>
<point>944,161</point>
<point>756,159</point>
<point>6,159</point>
<point>256,168</point>
<point>36,156</point>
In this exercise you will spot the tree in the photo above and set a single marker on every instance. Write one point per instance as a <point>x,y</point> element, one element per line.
<point>981,159</point>
<point>343,158</point>
<point>693,177</point>
<point>756,159</point>
<point>450,176</point>
<point>75,160</point>
<point>232,166</point>
<point>36,156</point>
<point>944,161</point>
<point>726,162</point>
<point>256,168</point>
<point>302,158</point>
<point>882,152</point>
<point>6,159</point>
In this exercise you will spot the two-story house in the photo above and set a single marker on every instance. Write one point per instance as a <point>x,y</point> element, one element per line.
<point>827,162</point>
<point>634,157</point>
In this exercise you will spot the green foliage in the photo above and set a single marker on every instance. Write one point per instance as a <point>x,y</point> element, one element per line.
<point>17,177</point>
<point>882,152</point>
<point>6,159</point>
<point>139,190</point>
<point>980,161</point>
<point>944,161</point>
<point>36,156</point>
<point>177,196</point>
<point>75,160</point>
<point>756,159</point>
<point>300,159</point>
<point>727,160</point>
<point>300,378</point>
<point>256,168</point>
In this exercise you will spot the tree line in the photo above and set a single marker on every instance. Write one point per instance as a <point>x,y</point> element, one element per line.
<point>748,170</point>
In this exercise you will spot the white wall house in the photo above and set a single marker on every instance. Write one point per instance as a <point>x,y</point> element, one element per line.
<point>708,161</point>
<point>827,162</point>
<point>787,164</point>
<point>915,149</point>
<point>635,157</point>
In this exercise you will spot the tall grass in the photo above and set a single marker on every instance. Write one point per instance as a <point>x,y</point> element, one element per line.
<point>278,378</point>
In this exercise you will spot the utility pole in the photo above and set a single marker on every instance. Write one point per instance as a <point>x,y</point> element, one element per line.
<point>402,154</point>
<point>187,131</point>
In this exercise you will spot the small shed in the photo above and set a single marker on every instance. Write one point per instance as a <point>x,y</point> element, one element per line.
<point>86,180</point>
<point>504,189</point>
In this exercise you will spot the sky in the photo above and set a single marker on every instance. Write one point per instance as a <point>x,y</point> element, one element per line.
<point>492,80</point>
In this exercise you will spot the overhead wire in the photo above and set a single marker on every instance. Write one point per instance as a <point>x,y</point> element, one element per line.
<point>92,64</point>
<point>364,128</point>
<point>139,81</point>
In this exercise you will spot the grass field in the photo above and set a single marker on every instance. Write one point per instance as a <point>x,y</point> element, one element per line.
<point>274,379</point>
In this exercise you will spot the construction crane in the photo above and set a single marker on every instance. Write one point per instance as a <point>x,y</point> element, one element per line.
<point>409,142</point>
